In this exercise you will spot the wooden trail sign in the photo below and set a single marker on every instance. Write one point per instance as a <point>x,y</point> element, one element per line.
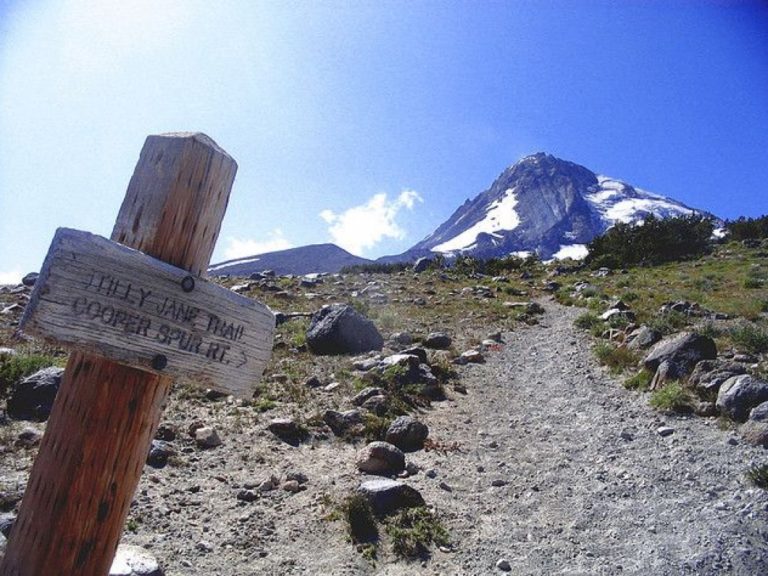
<point>99,296</point>
<point>106,414</point>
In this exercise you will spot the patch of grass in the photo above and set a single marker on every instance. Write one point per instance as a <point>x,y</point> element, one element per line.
<point>414,530</point>
<point>360,520</point>
<point>617,359</point>
<point>670,322</point>
<point>264,404</point>
<point>14,368</point>
<point>375,427</point>
<point>588,321</point>
<point>640,381</point>
<point>751,283</point>
<point>758,475</point>
<point>630,296</point>
<point>672,398</point>
<point>750,337</point>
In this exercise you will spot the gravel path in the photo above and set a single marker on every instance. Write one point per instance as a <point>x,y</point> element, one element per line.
<point>589,485</point>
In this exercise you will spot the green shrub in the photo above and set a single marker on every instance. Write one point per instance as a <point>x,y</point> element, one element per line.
<point>750,337</point>
<point>587,321</point>
<point>358,515</point>
<point>654,242</point>
<point>672,398</point>
<point>640,381</point>
<point>670,322</point>
<point>14,368</point>
<point>617,359</point>
<point>413,530</point>
<point>758,475</point>
<point>752,283</point>
<point>748,228</point>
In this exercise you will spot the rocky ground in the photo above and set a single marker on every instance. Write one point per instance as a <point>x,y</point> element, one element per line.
<point>546,465</point>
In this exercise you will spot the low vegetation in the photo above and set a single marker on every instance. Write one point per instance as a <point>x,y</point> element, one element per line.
<point>672,398</point>
<point>15,367</point>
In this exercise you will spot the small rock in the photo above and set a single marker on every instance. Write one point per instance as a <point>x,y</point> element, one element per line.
<point>134,561</point>
<point>288,430</point>
<point>343,422</point>
<point>445,486</point>
<point>332,386</point>
<point>159,453</point>
<point>247,495</point>
<point>204,546</point>
<point>438,341</point>
<point>665,431</point>
<point>29,437</point>
<point>380,458</point>
<point>300,477</point>
<point>376,404</point>
<point>30,279</point>
<point>32,398</point>
<point>498,483</point>
<point>504,565</point>
<point>387,496</point>
<point>167,432</point>
<point>366,393</point>
<point>740,394</point>
<point>292,486</point>
<point>313,382</point>
<point>402,338</point>
<point>206,437</point>
<point>407,433</point>
<point>473,357</point>
<point>7,520</point>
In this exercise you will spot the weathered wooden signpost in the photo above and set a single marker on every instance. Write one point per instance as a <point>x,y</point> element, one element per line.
<point>138,314</point>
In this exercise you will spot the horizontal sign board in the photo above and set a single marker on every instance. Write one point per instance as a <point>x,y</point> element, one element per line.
<point>101,297</point>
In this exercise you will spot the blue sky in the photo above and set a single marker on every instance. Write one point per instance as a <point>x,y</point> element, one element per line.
<point>369,123</point>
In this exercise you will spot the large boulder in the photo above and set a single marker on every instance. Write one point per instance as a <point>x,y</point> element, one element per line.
<point>685,349</point>
<point>381,458</point>
<point>340,329</point>
<point>407,433</point>
<point>32,398</point>
<point>739,394</point>
<point>386,496</point>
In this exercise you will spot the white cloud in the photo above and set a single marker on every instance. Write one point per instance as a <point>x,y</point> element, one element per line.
<point>240,248</point>
<point>362,227</point>
<point>10,276</point>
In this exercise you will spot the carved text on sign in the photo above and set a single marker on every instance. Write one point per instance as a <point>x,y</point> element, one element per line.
<point>95,294</point>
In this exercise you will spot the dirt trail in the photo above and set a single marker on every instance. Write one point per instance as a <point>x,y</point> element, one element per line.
<point>590,486</point>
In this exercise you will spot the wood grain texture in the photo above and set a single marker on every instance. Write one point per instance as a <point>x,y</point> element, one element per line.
<point>105,414</point>
<point>100,297</point>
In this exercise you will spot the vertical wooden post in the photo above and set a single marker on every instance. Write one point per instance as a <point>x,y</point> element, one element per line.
<point>105,414</point>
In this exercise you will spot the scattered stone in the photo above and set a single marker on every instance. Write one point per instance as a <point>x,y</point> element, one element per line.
<point>708,375</point>
<point>445,486</point>
<point>704,408</point>
<point>381,458</point>
<point>332,386</point>
<point>206,437</point>
<point>685,349</point>
<point>313,382</point>
<point>739,394</point>
<point>504,565</point>
<point>300,477</point>
<point>498,483</point>
<point>667,371</point>
<point>159,453</point>
<point>386,496</point>
<point>214,395</point>
<point>473,357</point>
<point>438,341</point>
<point>759,413</point>
<point>247,495</point>
<point>626,435</point>
<point>407,433</point>
<point>419,352</point>
<point>756,433</point>
<point>292,486</point>
<point>30,279</point>
<point>422,265</point>
<point>343,422</point>
<point>376,404</point>
<point>340,329</point>
<point>133,560</point>
<point>745,358</point>
<point>288,430</point>
<point>32,398</point>
<point>7,521</point>
<point>204,546</point>
<point>29,437</point>
<point>402,338</point>
<point>665,431</point>
<point>643,338</point>
<point>167,432</point>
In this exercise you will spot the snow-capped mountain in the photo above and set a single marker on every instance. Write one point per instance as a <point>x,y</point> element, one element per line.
<point>545,205</point>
